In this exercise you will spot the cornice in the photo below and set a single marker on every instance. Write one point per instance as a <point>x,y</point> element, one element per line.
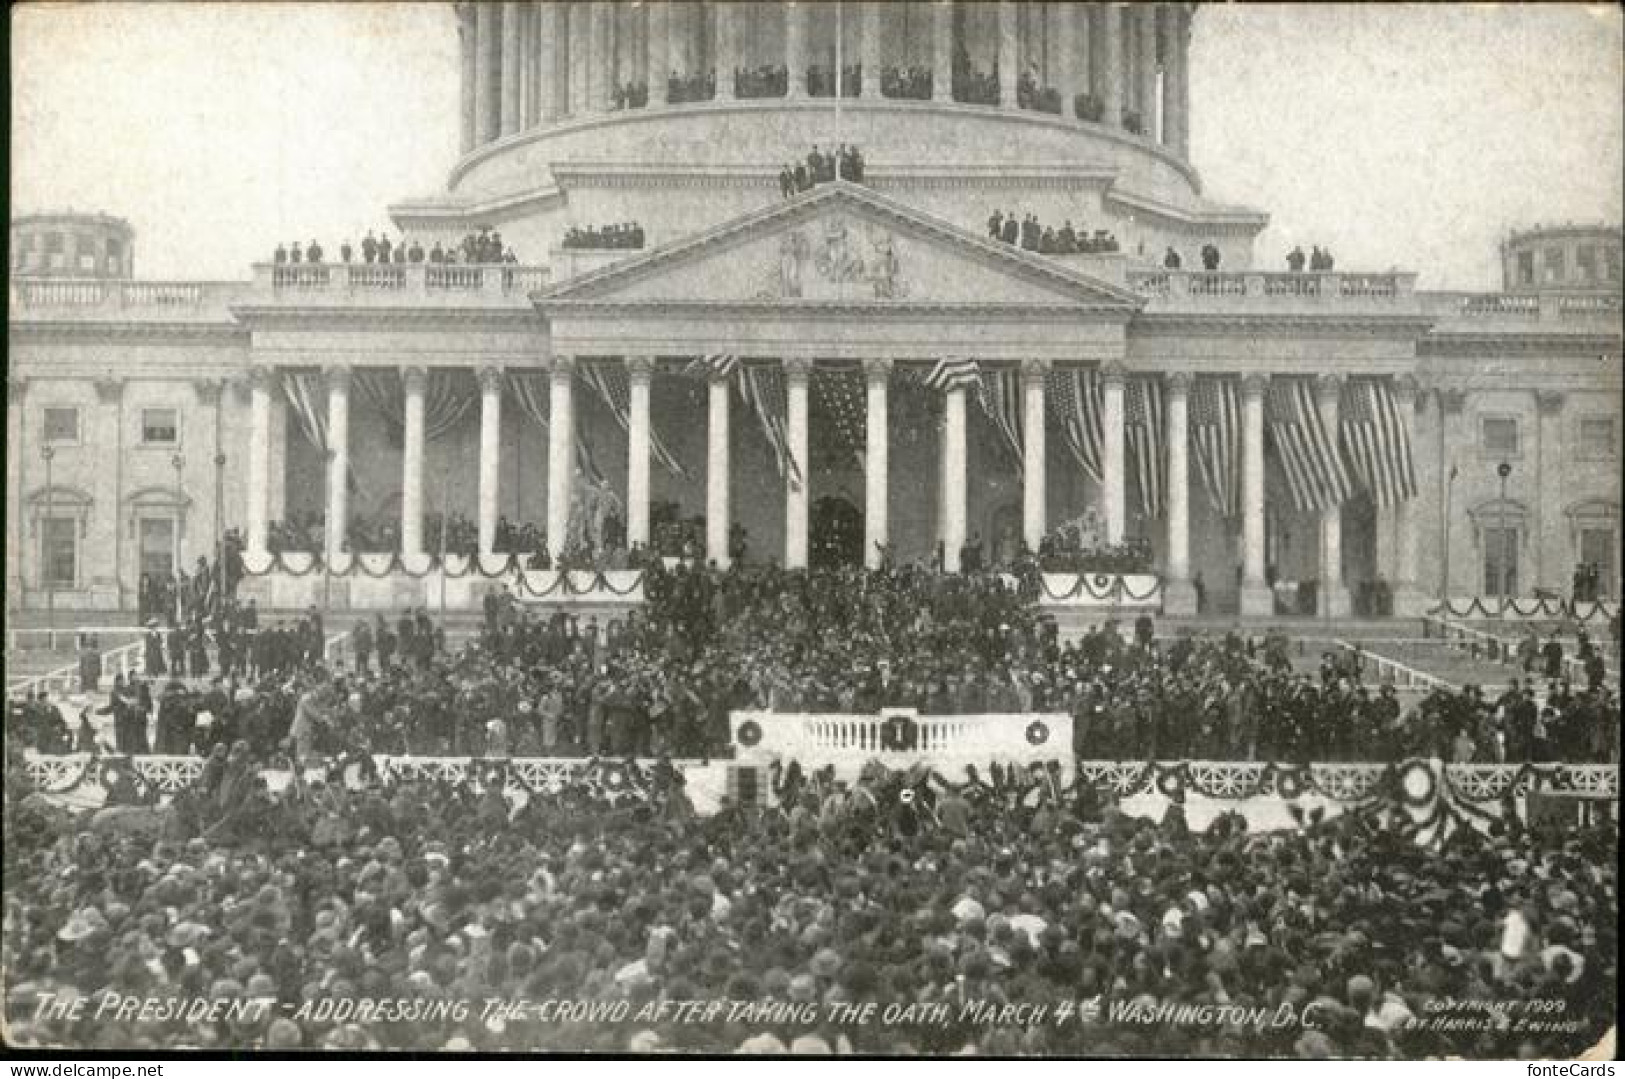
<point>1517,343</point>
<point>1211,323</point>
<point>280,316</point>
<point>793,309</point>
<point>145,332</point>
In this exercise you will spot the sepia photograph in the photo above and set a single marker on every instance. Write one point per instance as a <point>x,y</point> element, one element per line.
<point>929,528</point>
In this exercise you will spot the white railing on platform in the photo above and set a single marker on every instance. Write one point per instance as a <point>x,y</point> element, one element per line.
<point>902,736</point>
<point>1505,649</point>
<point>1391,670</point>
<point>125,660</point>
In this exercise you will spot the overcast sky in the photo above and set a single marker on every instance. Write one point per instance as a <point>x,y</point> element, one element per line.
<point>1399,135</point>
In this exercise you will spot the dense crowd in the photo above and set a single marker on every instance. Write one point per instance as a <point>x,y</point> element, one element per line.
<point>180,597</point>
<point>1320,260</point>
<point>913,82</point>
<point>1030,235</point>
<point>971,85</point>
<point>625,234</point>
<point>1070,552</point>
<point>482,247</point>
<point>1587,585</point>
<point>821,168</point>
<point>630,95</point>
<point>281,910</point>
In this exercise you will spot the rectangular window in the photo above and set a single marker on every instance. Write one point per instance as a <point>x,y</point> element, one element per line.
<point>1500,436</point>
<point>1501,561</point>
<point>159,427</point>
<point>59,552</point>
<point>1554,266</point>
<point>158,546</point>
<point>1611,260</point>
<point>1585,264</point>
<point>61,424</point>
<point>1597,440</point>
<point>1526,267</point>
<point>53,242</point>
<point>1597,548</point>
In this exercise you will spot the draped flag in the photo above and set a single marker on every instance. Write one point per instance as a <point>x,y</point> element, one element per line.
<point>950,373</point>
<point>1146,428</point>
<point>609,381</point>
<point>763,390</point>
<point>1376,441</point>
<point>999,391</point>
<point>445,401</point>
<point>1215,427</point>
<point>714,364</point>
<point>1077,403</point>
<point>1308,453</point>
<point>531,391</point>
<point>305,393</point>
<point>841,394</point>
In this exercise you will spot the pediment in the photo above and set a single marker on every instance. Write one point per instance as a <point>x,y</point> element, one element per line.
<point>841,244</point>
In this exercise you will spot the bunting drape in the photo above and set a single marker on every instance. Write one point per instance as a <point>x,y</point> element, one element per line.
<point>842,396</point>
<point>1376,441</point>
<point>1076,401</point>
<point>762,388</point>
<point>1215,428</point>
<point>999,391</point>
<point>1315,477</point>
<point>609,381</point>
<point>447,397</point>
<point>531,391</point>
<point>1146,431</point>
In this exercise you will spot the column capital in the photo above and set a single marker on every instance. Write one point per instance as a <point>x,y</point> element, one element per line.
<point>490,378</point>
<point>1034,369</point>
<point>16,389</point>
<point>640,368</point>
<point>337,377</point>
<point>1112,372</point>
<point>561,367</point>
<point>1550,402</point>
<point>208,390</point>
<point>1452,401</point>
<point>109,388</point>
<point>1328,388</point>
<point>797,368</point>
<point>413,379</point>
<point>877,368</point>
<point>1407,390</point>
<point>1178,382</point>
<point>261,377</point>
<point>1254,384</point>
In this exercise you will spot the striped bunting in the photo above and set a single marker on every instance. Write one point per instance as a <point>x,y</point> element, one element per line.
<point>763,390</point>
<point>999,391</point>
<point>1376,441</point>
<point>609,381</point>
<point>531,391</point>
<point>713,364</point>
<point>1308,454</point>
<point>1075,399</point>
<point>1146,428</point>
<point>952,373</point>
<point>1215,433</point>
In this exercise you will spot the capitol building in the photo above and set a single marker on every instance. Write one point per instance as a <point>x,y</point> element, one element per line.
<point>815,283</point>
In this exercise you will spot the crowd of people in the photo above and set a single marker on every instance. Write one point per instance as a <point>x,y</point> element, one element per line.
<point>1587,587</point>
<point>934,903</point>
<point>1031,95</point>
<point>1320,260</point>
<point>696,86</point>
<point>913,83</point>
<point>626,234</point>
<point>821,81</point>
<point>630,95</point>
<point>1171,259</point>
<point>179,597</point>
<point>481,247</point>
<point>1031,235</point>
<point>767,80</point>
<point>971,85</point>
<point>821,168</point>
<point>1068,552</point>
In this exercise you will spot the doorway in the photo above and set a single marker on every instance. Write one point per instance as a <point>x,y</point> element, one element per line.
<point>157,547</point>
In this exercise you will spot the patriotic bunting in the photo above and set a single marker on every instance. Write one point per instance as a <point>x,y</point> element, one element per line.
<point>1376,441</point>
<point>841,395</point>
<point>446,400</point>
<point>531,391</point>
<point>1076,400</point>
<point>999,391</point>
<point>609,381</point>
<point>1146,431</point>
<point>1308,454</point>
<point>951,373</point>
<point>307,395</point>
<point>1215,435</point>
<point>763,390</point>
<point>713,364</point>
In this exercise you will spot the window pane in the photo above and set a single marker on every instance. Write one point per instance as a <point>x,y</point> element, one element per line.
<point>1597,437</point>
<point>1501,561</point>
<point>1526,267</point>
<point>1585,260</point>
<point>58,537</point>
<point>158,425</point>
<point>62,425</point>
<point>1554,265</point>
<point>1500,435</point>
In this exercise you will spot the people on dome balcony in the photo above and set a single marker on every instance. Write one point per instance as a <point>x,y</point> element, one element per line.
<point>626,235</point>
<point>1210,257</point>
<point>1031,235</point>
<point>1294,260</point>
<point>1170,259</point>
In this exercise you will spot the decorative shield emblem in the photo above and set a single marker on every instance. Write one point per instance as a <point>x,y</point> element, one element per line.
<point>899,733</point>
<point>750,733</point>
<point>1037,733</point>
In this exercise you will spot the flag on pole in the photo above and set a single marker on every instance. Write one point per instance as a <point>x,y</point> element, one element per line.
<point>952,373</point>
<point>999,391</point>
<point>1314,470</point>
<point>1215,423</point>
<point>1077,401</point>
<point>1376,441</point>
<point>763,390</point>
<point>1147,430</point>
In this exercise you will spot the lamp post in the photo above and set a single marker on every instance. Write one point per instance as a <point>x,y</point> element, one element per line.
<point>1504,470</point>
<point>46,453</point>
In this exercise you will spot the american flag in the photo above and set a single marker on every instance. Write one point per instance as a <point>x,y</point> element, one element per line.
<point>1077,401</point>
<point>609,381</point>
<point>842,395</point>
<point>1308,454</point>
<point>1215,426</point>
<point>951,373</point>
<point>1147,430</point>
<point>714,364</point>
<point>1376,441</point>
<point>531,391</point>
<point>1000,396</point>
<point>763,390</point>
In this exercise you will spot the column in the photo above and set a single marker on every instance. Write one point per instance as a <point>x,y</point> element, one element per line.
<point>1178,591</point>
<point>338,459</point>
<point>487,72</point>
<point>869,49</point>
<point>716,470</point>
<point>726,57</point>
<point>107,436</point>
<point>550,63</point>
<point>573,19</point>
<point>1111,66</point>
<point>1178,81</point>
<point>1410,600</point>
<point>1034,450</point>
<point>1256,597</point>
<point>598,61</point>
<point>658,64</point>
<point>953,434</point>
<point>639,372</point>
<point>490,478</point>
<point>1009,55</point>
<point>942,51</point>
<point>1334,594</point>
<point>18,449</point>
<point>797,375</point>
<point>1114,489</point>
<point>1146,68</point>
<point>467,42</point>
<point>1084,46</point>
<point>1063,30</point>
<point>561,452</point>
<point>876,448</point>
<point>412,380</point>
<point>259,459</point>
<point>795,49</point>
<point>511,41</point>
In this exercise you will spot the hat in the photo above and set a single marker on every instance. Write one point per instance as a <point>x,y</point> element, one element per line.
<point>284,1033</point>
<point>810,1045</point>
<point>825,964</point>
<point>85,922</point>
<point>760,1045</point>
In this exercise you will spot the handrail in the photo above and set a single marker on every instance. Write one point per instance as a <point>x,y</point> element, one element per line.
<point>1395,670</point>
<point>1506,648</point>
<point>64,680</point>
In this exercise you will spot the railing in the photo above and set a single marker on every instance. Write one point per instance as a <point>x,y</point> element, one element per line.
<point>1391,670</point>
<point>897,734</point>
<point>67,293</point>
<point>1150,284</point>
<point>50,639</point>
<point>1587,305</point>
<point>114,296</point>
<point>163,293</point>
<point>1505,649</point>
<point>1291,285</point>
<point>64,681</point>
<point>1239,285</point>
<point>412,279</point>
<point>301,277</point>
<point>1209,283</point>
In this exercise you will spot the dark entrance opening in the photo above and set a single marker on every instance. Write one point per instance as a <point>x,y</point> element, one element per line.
<point>837,533</point>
